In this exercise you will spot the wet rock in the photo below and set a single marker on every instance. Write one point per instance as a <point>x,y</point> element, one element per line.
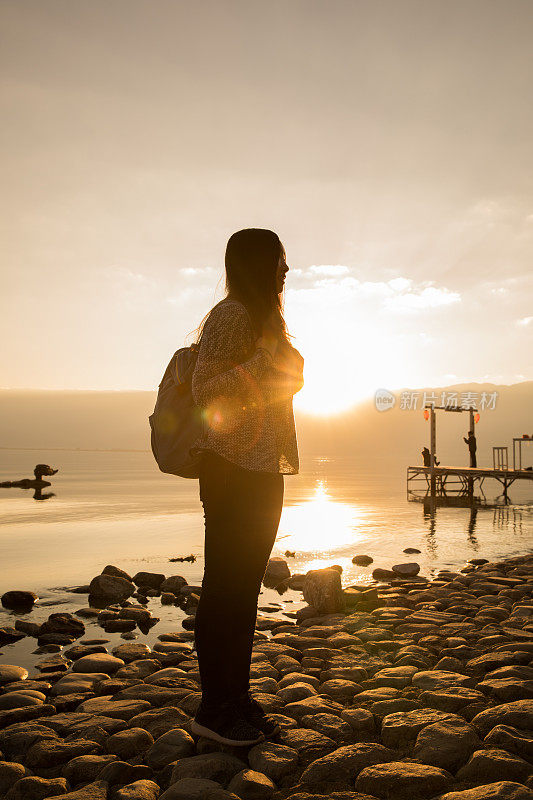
<point>274,760</point>
<point>309,744</point>
<point>219,767</point>
<point>360,720</point>
<point>380,574</point>
<point>9,635</point>
<point>251,785</point>
<point>80,650</point>
<point>54,664</point>
<point>139,790</point>
<point>402,780</point>
<point>518,714</point>
<point>123,773</point>
<point>446,744</point>
<point>17,599</point>
<point>397,677</point>
<point>34,788</point>
<point>503,790</point>
<point>159,721</point>
<point>14,715</point>
<point>92,791</point>
<point>194,789</point>
<point>323,590</point>
<point>169,747</point>
<point>296,691</point>
<point>20,700</point>
<point>116,572</point>
<point>78,683</point>
<point>10,773</point>
<point>431,680</point>
<point>406,570</point>
<point>512,740</point>
<point>27,627</point>
<point>507,689</point>
<point>451,700</point>
<point>362,560</point>
<point>110,588</point>
<point>328,725</point>
<point>130,743</point>
<point>493,765</point>
<point>62,623</point>
<point>52,752</point>
<point>312,705</point>
<point>404,726</point>
<point>338,770</point>
<point>84,769</point>
<point>98,662</point>
<point>115,709</point>
<point>277,573</point>
<point>174,584</point>
<point>151,580</point>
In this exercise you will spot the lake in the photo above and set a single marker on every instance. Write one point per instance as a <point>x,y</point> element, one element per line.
<point>117,508</point>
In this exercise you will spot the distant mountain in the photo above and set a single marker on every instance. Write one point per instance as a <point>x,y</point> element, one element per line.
<point>119,420</point>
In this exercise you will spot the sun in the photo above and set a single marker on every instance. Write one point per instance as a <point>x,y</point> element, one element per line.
<point>332,384</point>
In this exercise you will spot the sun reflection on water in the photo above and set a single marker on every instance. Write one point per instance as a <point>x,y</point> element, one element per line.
<point>321,526</point>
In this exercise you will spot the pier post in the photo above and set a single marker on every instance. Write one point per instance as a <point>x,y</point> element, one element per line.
<point>432,447</point>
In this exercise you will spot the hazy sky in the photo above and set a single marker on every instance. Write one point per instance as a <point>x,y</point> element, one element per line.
<point>388,142</point>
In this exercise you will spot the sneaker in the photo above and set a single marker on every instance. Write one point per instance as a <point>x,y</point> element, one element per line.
<point>254,714</point>
<point>226,726</point>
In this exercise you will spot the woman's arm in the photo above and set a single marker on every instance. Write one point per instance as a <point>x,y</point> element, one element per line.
<point>287,377</point>
<point>220,369</point>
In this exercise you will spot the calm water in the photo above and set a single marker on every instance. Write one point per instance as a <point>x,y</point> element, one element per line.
<point>117,508</point>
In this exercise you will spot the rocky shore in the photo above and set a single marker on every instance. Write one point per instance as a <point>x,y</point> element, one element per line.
<point>410,688</point>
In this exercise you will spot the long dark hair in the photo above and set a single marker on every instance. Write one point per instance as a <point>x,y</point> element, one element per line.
<point>251,261</point>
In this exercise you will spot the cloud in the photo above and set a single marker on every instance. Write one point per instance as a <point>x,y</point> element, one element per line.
<point>430,297</point>
<point>329,269</point>
<point>524,321</point>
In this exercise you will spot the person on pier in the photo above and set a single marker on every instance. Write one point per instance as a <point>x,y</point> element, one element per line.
<point>472,447</point>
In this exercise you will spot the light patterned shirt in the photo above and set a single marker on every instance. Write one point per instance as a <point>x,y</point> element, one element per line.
<point>246,399</point>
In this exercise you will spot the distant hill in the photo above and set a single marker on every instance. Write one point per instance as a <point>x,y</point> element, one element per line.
<point>119,420</point>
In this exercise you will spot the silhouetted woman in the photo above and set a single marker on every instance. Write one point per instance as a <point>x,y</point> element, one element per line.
<point>245,377</point>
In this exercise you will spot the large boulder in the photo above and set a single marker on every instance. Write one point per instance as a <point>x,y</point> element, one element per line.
<point>111,587</point>
<point>323,590</point>
<point>219,767</point>
<point>338,770</point>
<point>518,714</point>
<point>493,765</point>
<point>34,788</point>
<point>502,790</point>
<point>139,790</point>
<point>446,744</point>
<point>174,584</point>
<point>251,785</point>
<point>402,780</point>
<point>19,600</point>
<point>277,571</point>
<point>148,580</point>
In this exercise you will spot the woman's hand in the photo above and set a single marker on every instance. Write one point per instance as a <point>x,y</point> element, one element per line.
<point>269,343</point>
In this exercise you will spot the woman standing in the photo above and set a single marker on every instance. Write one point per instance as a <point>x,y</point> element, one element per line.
<point>244,380</point>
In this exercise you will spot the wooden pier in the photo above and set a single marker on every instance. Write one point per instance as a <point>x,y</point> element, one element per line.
<point>460,481</point>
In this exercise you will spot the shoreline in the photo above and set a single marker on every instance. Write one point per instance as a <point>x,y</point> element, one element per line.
<point>419,689</point>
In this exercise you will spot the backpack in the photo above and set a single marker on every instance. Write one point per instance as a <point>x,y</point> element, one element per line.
<point>177,422</point>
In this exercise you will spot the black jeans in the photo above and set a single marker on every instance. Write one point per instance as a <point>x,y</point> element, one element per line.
<point>242,510</point>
